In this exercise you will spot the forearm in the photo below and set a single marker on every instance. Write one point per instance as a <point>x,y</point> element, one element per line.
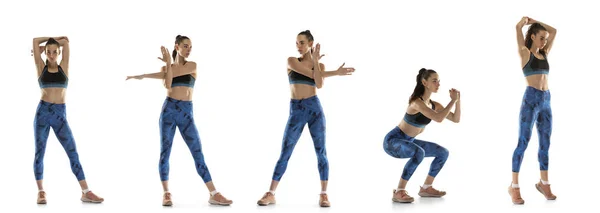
<point>168,76</point>
<point>158,75</point>
<point>456,116</point>
<point>330,73</point>
<point>37,41</point>
<point>549,28</point>
<point>318,75</point>
<point>444,113</point>
<point>63,42</point>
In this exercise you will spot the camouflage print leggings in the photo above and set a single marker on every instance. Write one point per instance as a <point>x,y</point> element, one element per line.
<point>399,145</point>
<point>535,108</point>
<point>302,112</point>
<point>177,113</point>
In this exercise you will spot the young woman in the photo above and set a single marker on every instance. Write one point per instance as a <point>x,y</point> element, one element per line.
<point>305,75</point>
<point>177,112</point>
<point>401,142</point>
<point>53,79</point>
<point>534,49</point>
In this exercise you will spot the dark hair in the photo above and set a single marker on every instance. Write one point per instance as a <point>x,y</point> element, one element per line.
<point>533,29</point>
<point>178,40</point>
<point>308,35</point>
<point>420,88</point>
<point>51,41</point>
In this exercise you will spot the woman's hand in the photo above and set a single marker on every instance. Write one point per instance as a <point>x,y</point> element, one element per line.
<point>165,55</point>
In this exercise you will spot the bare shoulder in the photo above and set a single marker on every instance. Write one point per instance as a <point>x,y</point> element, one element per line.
<point>414,106</point>
<point>191,64</point>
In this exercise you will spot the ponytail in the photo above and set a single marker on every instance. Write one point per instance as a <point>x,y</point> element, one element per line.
<point>533,30</point>
<point>178,40</point>
<point>420,88</point>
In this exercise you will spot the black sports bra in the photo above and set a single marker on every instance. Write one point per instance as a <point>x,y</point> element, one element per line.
<point>418,119</point>
<point>53,79</point>
<point>536,66</point>
<point>297,78</point>
<point>184,81</point>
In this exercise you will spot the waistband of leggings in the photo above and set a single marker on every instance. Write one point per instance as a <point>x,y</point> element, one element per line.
<point>45,103</point>
<point>312,98</point>
<point>173,100</point>
<point>399,132</point>
<point>535,90</point>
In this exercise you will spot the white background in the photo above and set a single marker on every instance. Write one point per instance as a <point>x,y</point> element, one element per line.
<point>242,99</point>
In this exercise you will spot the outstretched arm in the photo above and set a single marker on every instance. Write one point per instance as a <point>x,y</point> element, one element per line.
<point>340,71</point>
<point>156,75</point>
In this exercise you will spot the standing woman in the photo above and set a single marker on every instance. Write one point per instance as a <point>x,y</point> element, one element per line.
<point>305,75</point>
<point>401,142</point>
<point>53,79</point>
<point>177,112</point>
<point>535,108</point>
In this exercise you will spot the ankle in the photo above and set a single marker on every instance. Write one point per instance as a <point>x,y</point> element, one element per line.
<point>85,191</point>
<point>213,193</point>
<point>515,185</point>
<point>425,186</point>
<point>545,182</point>
<point>272,192</point>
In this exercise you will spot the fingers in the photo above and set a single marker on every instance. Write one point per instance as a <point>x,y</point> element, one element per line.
<point>350,70</point>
